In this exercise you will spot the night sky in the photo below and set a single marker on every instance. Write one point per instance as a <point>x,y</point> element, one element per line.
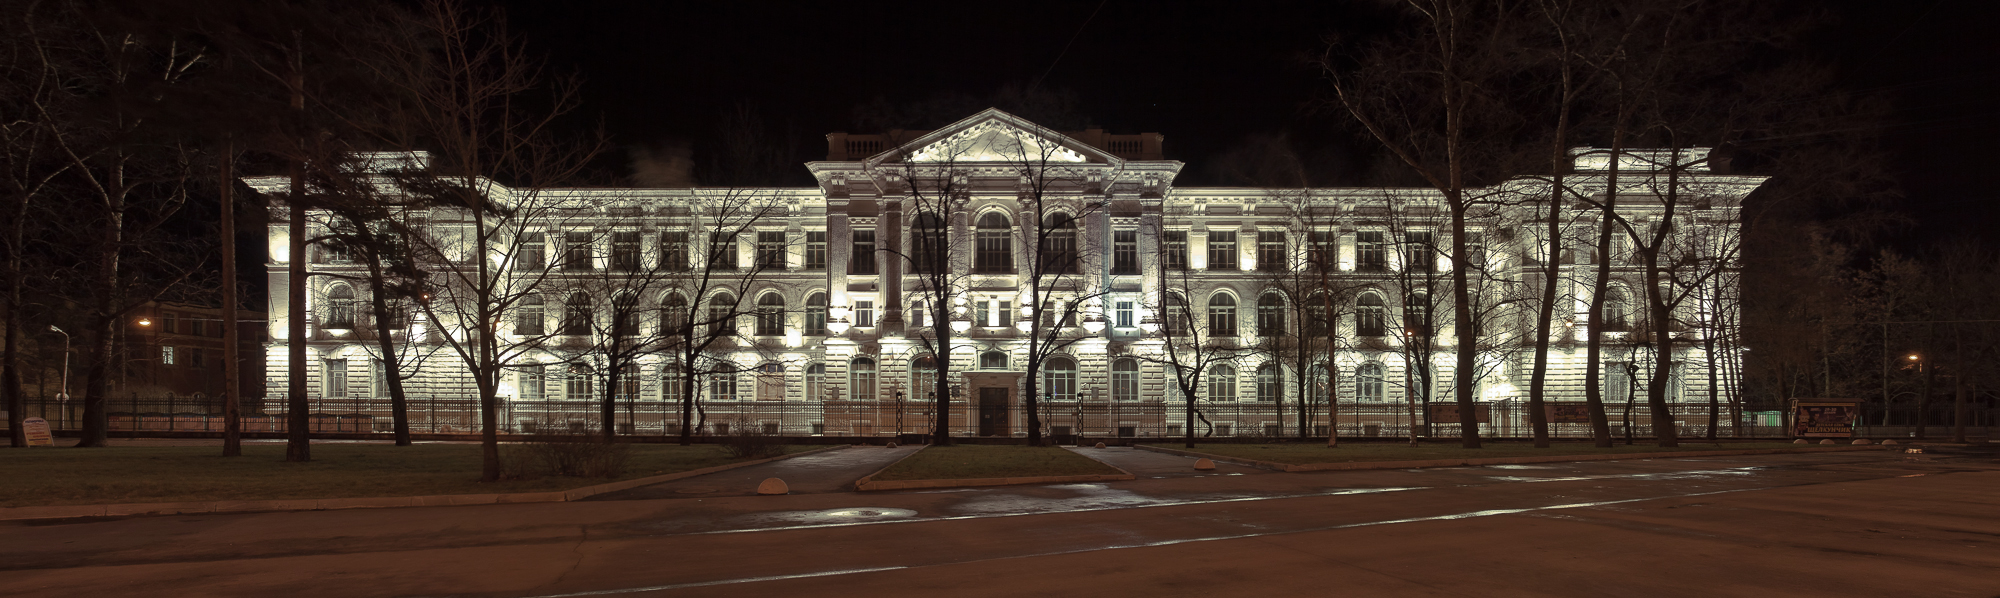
<point>1208,76</point>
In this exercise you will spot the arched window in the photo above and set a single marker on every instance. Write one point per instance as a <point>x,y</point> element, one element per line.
<point>816,382</point>
<point>1318,310</point>
<point>771,382</point>
<point>339,307</point>
<point>1058,244</point>
<point>1417,314</point>
<point>816,314</point>
<point>1270,315</point>
<point>628,383</point>
<point>861,379</point>
<point>1270,383</point>
<point>1369,315</point>
<point>923,377</point>
<point>722,382</point>
<point>1221,315</point>
<point>771,315</point>
<point>1222,382</point>
<point>1317,385</point>
<point>1174,383</point>
<point>995,250</point>
<point>1059,379</point>
<point>671,382</point>
<point>722,314</point>
<point>577,386</point>
<point>993,360</point>
<point>529,321</point>
<point>928,235</point>
<point>1617,309</point>
<point>576,315</point>
<point>917,314</point>
<point>625,315</point>
<point>1368,382</point>
<point>673,315</point>
<point>1125,379</point>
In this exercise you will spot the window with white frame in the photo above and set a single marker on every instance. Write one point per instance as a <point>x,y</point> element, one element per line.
<point>722,382</point>
<point>1368,382</point>
<point>771,382</point>
<point>1059,379</point>
<point>816,382</point>
<point>861,379</point>
<point>1222,250</point>
<point>1125,379</point>
<point>577,385</point>
<point>533,387</point>
<point>1270,383</point>
<point>1222,382</point>
<point>336,379</point>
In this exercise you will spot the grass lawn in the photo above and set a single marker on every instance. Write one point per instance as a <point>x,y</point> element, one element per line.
<point>66,476</point>
<point>992,461</point>
<point>1300,454</point>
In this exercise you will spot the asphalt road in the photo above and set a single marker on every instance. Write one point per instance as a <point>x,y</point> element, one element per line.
<point>1831,524</point>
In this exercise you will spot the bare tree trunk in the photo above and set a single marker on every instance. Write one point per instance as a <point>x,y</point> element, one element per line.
<point>232,400</point>
<point>1958,387</point>
<point>298,438</point>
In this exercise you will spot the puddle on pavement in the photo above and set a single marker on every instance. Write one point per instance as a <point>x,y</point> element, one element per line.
<point>1519,467</point>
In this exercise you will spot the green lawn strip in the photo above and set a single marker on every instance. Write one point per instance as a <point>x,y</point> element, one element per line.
<point>1301,454</point>
<point>992,461</point>
<point>65,476</point>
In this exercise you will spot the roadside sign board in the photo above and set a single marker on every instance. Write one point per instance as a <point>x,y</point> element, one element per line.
<point>1824,418</point>
<point>38,432</point>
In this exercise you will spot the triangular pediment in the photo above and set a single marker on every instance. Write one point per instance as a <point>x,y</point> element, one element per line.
<point>996,136</point>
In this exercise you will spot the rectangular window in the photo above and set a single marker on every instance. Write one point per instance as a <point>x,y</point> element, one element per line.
<point>198,327</point>
<point>1420,251</point>
<point>576,251</point>
<point>1222,250</point>
<point>1125,252</point>
<point>1004,315</point>
<point>1475,250</point>
<point>577,384</point>
<point>336,379</point>
<point>1271,251</point>
<point>194,357</point>
<point>625,251</point>
<point>863,259</point>
<point>771,382</point>
<point>722,251</point>
<point>166,355</point>
<point>378,383</point>
<point>982,313</point>
<point>674,251</point>
<point>771,250</point>
<point>1324,253</point>
<point>864,314</point>
<point>1124,312</point>
<point>169,323</point>
<point>534,251</point>
<point>1175,245</point>
<point>1370,256</point>
<point>816,250</point>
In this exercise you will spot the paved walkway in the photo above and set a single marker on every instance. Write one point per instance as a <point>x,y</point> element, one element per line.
<point>1151,465</point>
<point>820,473</point>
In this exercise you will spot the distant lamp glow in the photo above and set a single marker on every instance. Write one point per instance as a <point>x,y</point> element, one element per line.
<point>1026,325</point>
<point>837,325</point>
<point>1094,324</point>
<point>1150,324</point>
<point>1913,358</point>
<point>149,322</point>
<point>960,323</point>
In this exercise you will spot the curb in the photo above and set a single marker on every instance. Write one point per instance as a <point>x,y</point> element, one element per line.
<point>867,483</point>
<point>1367,465</point>
<point>380,502</point>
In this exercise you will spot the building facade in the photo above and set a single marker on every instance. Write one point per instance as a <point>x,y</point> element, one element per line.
<point>819,311</point>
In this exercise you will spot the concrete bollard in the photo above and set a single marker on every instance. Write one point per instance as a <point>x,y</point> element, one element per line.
<point>1800,441</point>
<point>890,445</point>
<point>773,486</point>
<point>1826,441</point>
<point>1100,445</point>
<point>1863,441</point>
<point>1890,442</point>
<point>1204,465</point>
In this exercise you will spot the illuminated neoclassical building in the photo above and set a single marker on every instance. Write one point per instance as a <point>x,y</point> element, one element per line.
<point>833,315</point>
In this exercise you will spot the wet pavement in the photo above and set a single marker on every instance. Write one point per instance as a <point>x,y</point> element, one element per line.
<point>1151,465</point>
<point>818,473</point>
<point>1856,523</point>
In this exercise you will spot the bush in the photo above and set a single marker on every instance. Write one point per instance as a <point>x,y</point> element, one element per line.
<point>747,440</point>
<point>577,457</point>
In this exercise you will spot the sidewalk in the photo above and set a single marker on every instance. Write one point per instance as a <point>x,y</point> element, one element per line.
<point>1152,465</point>
<point>821,473</point>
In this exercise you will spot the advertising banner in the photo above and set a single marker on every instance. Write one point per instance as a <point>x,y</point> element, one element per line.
<point>1821,418</point>
<point>1447,413</point>
<point>38,432</point>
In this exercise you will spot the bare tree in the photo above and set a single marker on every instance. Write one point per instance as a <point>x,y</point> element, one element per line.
<point>706,286</point>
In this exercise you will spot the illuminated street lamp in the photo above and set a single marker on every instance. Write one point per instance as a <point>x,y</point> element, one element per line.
<point>1094,324</point>
<point>837,325</point>
<point>62,394</point>
<point>961,323</point>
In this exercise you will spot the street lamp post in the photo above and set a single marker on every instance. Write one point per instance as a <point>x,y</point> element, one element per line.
<point>62,393</point>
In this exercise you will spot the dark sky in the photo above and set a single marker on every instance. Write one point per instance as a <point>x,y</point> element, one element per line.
<point>1207,75</point>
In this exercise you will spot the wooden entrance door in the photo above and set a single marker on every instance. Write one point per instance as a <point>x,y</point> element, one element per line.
<point>993,412</point>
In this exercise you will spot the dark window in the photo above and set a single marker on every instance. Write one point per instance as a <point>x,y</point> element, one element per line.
<point>1125,252</point>
<point>929,253</point>
<point>771,315</point>
<point>995,250</point>
<point>673,314</point>
<point>625,251</point>
<point>771,250</point>
<point>816,250</point>
<point>1325,254</point>
<point>1175,245</point>
<point>1221,315</point>
<point>1222,250</point>
<point>1417,314</point>
<point>1317,311</point>
<point>576,315</point>
<point>674,251</point>
<point>722,314</point>
<point>529,320</point>
<point>1058,246</point>
<point>863,259</point>
<point>1422,255</point>
<point>1270,315</point>
<point>534,251</point>
<point>722,251</point>
<point>816,314</point>
<point>1271,251</point>
<point>1369,316</point>
<point>339,309</point>
<point>576,248</point>
<point>1369,253</point>
<point>625,315</point>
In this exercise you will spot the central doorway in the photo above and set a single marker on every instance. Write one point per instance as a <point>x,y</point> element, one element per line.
<point>993,412</point>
